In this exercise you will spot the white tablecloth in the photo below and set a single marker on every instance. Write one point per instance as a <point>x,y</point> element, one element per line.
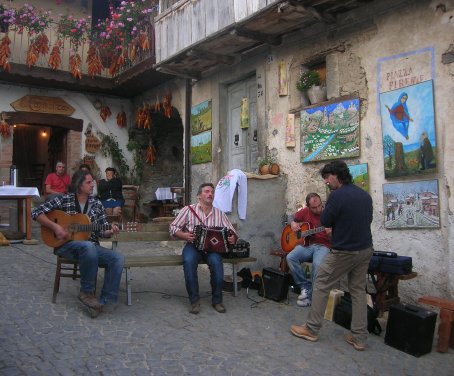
<point>11,190</point>
<point>164,193</point>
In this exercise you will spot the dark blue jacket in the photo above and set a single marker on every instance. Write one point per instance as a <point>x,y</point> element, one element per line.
<point>349,212</point>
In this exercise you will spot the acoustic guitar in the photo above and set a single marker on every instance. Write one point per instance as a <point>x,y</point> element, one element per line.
<point>290,239</point>
<point>78,227</point>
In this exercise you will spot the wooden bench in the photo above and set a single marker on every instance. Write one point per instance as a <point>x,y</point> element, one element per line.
<point>446,324</point>
<point>154,232</point>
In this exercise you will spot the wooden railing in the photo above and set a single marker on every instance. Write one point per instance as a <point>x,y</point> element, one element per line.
<point>20,43</point>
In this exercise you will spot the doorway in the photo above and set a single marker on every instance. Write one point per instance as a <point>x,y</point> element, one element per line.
<point>242,136</point>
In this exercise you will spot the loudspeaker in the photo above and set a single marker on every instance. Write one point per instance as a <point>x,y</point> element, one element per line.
<point>275,284</point>
<point>410,329</point>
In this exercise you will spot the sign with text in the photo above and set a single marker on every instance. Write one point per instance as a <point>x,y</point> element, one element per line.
<point>42,104</point>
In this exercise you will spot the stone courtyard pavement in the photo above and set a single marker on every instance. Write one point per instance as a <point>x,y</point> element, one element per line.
<point>157,335</point>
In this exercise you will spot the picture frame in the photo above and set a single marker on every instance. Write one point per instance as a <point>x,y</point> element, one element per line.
<point>411,204</point>
<point>360,174</point>
<point>330,130</point>
<point>201,125</point>
<point>408,130</point>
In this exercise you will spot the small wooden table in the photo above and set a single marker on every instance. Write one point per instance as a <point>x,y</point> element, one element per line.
<point>21,195</point>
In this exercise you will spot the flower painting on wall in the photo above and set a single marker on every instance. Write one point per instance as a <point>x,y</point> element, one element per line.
<point>408,128</point>
<point>411,204</point>
<point>330,131</point>
<point>201,116</point>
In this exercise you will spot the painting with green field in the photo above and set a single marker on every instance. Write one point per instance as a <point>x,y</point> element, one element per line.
<point>360,175</point>
<point>408,128</point>
<point>201,117</point>
<point>201,148</point>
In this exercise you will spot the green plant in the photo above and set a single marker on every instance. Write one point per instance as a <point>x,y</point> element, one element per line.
<point>110,147</point>
<point>266,160</point>
<point>137,172</point>
<point>308,79</point>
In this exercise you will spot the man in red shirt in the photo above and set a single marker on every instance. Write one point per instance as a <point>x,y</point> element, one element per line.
<point>312,248</point>
<point>57,182</point>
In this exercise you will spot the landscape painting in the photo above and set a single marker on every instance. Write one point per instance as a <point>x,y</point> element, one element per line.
<point>330,131</point>
<point>201,148</point>
<point>408,128</point>
<point>201,117</point>
<point>413,204</point>
<point>360,174</point>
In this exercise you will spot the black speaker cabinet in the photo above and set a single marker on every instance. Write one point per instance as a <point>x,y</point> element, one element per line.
<point>410,329</point>
<point>275,284</point>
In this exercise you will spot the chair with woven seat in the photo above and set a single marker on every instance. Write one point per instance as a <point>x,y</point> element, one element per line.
<point>131,205</point>
<point>36,176</point>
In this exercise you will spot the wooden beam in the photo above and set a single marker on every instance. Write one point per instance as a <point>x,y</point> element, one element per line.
<point>260,37</point>
<point>208,55</point>
<point>193,75</point>
<point>34,118</point>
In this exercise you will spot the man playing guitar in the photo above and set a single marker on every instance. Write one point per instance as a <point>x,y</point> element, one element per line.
<point>313,248</point>
<point>88,253</point>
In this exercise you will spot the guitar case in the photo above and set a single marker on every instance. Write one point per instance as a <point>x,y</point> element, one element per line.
<point>393,265</point>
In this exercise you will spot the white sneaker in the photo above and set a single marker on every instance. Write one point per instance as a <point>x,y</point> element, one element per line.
<point>304,294</point>
<point>304,303</point>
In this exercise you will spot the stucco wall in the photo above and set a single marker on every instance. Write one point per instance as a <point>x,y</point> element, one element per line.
<point>352,55</point>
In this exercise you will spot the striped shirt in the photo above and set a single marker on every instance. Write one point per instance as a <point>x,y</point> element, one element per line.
<point>67,203</point>
<point>186,219</point>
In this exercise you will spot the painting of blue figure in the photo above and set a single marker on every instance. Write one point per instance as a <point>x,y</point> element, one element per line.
<point>408,129</point>
<point>411,204</point>
<point>330,131</point>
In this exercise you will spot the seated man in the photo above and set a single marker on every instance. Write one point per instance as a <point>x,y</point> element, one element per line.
<point>203,213</point>
<point>89,254</point>
<point>315,247</point>
<point>57,182</point>
<point>110,192</point>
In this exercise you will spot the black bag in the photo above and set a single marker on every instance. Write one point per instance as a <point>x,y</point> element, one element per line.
<point>394,265</point>
<point>343,315</point>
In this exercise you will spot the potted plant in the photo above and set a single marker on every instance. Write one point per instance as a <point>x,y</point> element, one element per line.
<point>310,82</point>
<point>268,165</point>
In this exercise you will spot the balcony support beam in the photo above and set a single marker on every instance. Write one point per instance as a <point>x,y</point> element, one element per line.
<point>193,75</point>
<point>211,56</point>
<point>259,37</point>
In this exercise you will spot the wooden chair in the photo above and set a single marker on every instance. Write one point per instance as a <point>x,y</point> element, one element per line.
<point>67,269</point>
<point>36,176</point>
<point>131,197</point>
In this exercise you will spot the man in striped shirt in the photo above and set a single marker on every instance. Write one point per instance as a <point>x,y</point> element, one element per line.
<point>202,213</point>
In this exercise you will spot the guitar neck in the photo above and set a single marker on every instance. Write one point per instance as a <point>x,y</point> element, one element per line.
<point>313,231</point>
<point>92,227</point>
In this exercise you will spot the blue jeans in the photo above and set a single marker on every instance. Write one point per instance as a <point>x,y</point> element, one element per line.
<point>91,256</point>
<point>191,258</point>
<point>315,253</point>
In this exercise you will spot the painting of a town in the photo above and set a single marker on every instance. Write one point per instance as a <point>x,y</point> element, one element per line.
<point>201,133</point>
<point>408,128</point>
<point>413,204</point>
<point>330,131</point>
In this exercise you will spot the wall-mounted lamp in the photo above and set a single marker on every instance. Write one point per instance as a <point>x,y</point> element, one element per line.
<point>43,133</point>
<point>97,103</point>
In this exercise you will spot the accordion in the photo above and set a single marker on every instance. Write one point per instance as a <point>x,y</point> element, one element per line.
<point>211,239</point>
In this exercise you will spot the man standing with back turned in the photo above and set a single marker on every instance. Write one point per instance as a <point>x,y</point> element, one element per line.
<point>349,212</point>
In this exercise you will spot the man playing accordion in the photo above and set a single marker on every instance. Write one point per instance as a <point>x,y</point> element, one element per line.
<point>203,213</point>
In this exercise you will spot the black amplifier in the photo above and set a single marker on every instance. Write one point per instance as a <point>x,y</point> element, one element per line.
<point>275,284</point>
<point>410,329</point>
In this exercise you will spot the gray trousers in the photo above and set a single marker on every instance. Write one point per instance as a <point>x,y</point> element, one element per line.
<point>335,265</point>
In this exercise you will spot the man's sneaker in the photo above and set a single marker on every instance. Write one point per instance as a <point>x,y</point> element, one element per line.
<point>89,299</point>
<point>303,331</point>
<point>304,303</point>
<point>304,294</point>
<point>357,345</point>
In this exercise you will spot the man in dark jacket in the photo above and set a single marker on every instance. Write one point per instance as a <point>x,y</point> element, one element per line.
<point>348,212</point>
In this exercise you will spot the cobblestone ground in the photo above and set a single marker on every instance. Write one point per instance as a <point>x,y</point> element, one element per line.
<point>157,335</point>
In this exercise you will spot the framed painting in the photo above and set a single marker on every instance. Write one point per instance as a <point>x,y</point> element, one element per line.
<point>201,117</point>
<point>330,131</point>
<point>201,148</point>
<point>408,129</point>
<point>412,204</point>
<point>360,174</point>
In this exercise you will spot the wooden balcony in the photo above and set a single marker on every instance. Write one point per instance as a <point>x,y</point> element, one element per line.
<point>219,33</point>
<point>133,77</point>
